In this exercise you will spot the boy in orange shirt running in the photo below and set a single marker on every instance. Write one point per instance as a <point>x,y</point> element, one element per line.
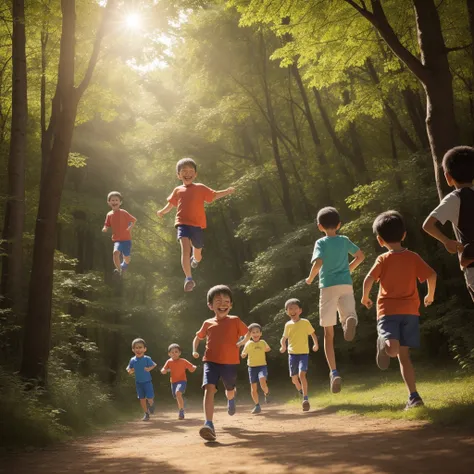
<point>221,359</point>
<point>177,368</point>
<point>398,302</point>
<point>190,220</point>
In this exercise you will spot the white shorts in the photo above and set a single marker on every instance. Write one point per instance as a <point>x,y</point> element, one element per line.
<point>336,299</point>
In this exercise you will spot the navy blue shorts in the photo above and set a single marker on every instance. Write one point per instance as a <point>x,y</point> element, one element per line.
<point>405,328</point>
<point>124,247</point>
<point>298,363</point>
<point>194,234</point>
<point>178,387</point>
<point>257,373</point>
<point>145,390</point>
<point>213,372</point>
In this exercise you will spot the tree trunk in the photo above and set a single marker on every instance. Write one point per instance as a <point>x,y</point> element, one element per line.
<point>417,115</point>
<point>11,280</point>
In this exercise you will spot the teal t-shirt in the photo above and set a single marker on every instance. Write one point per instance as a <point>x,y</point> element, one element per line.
<point>333,251</point>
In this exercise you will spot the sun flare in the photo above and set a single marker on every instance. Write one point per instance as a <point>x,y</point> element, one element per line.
<point>133,21</point>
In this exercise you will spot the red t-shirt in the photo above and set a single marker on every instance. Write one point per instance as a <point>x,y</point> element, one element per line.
<point>222,337</point>
<point>398,273</point>
<point>178,369</point>
<point>119,220</point>
<point>189,201</point>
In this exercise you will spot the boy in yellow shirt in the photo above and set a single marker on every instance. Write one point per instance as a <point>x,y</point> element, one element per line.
<point>255,349</point>
<point>296,333</point>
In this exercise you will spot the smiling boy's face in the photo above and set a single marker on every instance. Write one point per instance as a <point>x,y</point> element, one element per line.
<point>174,353</point>
<point>221,305</point>
<point>293,311</point>
<point>187,174</point>
<point>255,334</point>
<point>115,202</point>
<point>139,349</point>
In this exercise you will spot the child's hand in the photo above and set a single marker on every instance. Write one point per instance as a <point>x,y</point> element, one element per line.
<point>316,348</point>
<point>282,349</point>
<point>428,300</point>
<point>230,190</point>
<point>308,281</point>
<point>367,302</point>
<point>160,213</point>
<point>453,246</point>
<point>131,371</point>
<point>163,371</point>
<point>196,355</point>
<point>104,229</point>
<point>148,369</point>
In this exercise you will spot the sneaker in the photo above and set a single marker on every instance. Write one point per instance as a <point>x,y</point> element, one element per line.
<point>181,415</point>
<point>189,284</point>
<point>414,402</point>
<point>151,408</point>
<point>117,272</point>
<point>267,397</point>
<point>231,407</point>
<point>194,262</point>
<point>207,432</point>
<point>256,409</point>
<point>306,405</point>
<point>350,328</point>
<point>123,266</point>
<point>335,383</point>
<point>383,359</point>
<point>146,417</point>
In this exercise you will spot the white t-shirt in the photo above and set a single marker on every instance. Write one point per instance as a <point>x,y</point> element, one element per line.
<point>448,209</point>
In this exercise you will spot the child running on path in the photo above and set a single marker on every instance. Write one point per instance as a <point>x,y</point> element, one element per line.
<point>255,350</point>
<point>221,358</point>
<point>141,365</point>
<point>336,292</point>
<point>177,368</point>
<point>398,302</point>
<point>190,220</point>
<point>122,223</point>
<point>458,208</point>
<point>296,333</point>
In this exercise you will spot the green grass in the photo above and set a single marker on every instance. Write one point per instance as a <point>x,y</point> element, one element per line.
<point>448,396</point>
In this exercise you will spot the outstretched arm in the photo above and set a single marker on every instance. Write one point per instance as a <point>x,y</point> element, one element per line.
<point>225,192</point>
<point>244,340</point>
<point>358,259</point>
<point>368,284</point>
<point>430,226</point>
<point>318,263</point>
<point>165,210</point>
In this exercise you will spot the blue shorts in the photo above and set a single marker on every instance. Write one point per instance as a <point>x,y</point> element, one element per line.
<point>124,247</point>
<point>178,387</point>
<point>405,328</point>
<point>298,363</point>
<point>145,390</point>
<point>194,234</point>
<point>213,372</point>
<point>257,373</point>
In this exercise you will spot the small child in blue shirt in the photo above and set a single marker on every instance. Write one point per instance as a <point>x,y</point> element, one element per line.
<point>330,260</point>
<point>141,365</point>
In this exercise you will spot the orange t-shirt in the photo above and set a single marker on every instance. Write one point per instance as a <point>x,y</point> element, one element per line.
<point>222,337</point>
<point>178,369</point>
<point>119,220</point>
<point>398,273</point>
<point>189,201</point>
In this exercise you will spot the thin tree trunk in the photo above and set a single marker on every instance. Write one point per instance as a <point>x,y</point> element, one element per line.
<point>11,280</point>
<point>417,115</point>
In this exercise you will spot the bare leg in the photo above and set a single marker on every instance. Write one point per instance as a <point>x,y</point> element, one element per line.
<point>230,394</point>
<point>179,400</point>
<point>116,257</point>
<point>263,384</point>
<point>406,368</point>
<point>296,381</point>
<point>127,259</point>
<point>186,256</point>
<point>392,347</point>
<point>208,403</point>
<point>304,383</point>
<point>254,392</point>
<point>143,405</point>
<point>197,253</point>
<point>329,347</point>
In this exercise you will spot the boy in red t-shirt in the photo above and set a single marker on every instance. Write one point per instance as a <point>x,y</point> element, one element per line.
<point>190,220</point>
<point>398,302</point>
<point>122,223</point>
<point>221,359</point>
<point>177,368</point>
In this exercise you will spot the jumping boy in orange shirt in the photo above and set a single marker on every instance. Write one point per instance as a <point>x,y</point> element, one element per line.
<point>221,359</point>
<point>190,220</point>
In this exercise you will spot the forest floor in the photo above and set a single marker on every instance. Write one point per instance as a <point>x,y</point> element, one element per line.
<point>282,439</point>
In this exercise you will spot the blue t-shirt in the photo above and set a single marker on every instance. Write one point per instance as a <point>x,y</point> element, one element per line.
<point>139,364</point>
<point>333,252</point>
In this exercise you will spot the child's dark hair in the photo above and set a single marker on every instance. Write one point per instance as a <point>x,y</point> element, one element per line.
<point>255,326</point>
<point>293,301</point>
<point>328,218</point>
<point>219,290</point>
<point>390,226</point>
<point>138,341</point>
<point>185,162</point>
<point>174,346</point>
<point>114,194</point>
<point>459,163</point>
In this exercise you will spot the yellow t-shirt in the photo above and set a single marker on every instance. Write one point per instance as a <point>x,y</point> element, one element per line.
<point>297,334</point>
<point>256,353</point>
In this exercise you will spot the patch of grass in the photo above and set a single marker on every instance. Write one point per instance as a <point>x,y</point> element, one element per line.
<point>448,396</point>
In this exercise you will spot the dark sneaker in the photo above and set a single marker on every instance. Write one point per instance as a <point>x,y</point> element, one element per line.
<point>146,417</point>
<point>117,272</point>
<point>335,382</point>
<point>189,285</point>
<point>151,408</point>
<point>194,263</point>
<point>256,410</point>
<point>267,398</point>
<point>181,415</point>
<point>231,407</point>
<point>414,402</point>
<point>350,328</point>
<point>208,433</point>
<point>383,359</point>
<point>306,405</point>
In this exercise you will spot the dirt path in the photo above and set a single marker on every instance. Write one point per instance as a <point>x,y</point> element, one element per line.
<point>281,440</point>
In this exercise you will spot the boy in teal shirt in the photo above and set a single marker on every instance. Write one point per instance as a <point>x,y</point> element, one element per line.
<point>337,294</point>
